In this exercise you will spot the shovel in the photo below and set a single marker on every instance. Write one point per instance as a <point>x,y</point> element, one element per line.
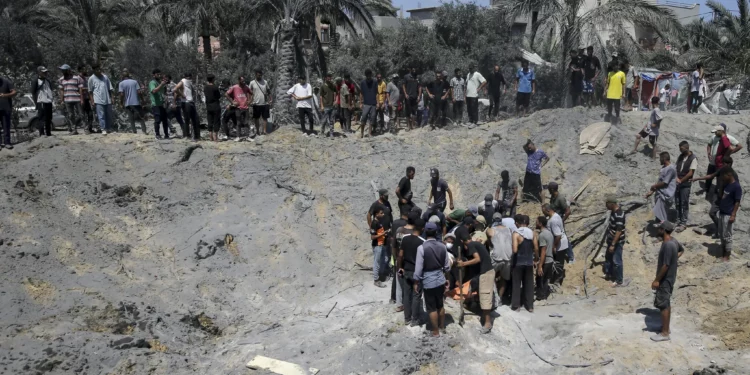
<point>461,294</point>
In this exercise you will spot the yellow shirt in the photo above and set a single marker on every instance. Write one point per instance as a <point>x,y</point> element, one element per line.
<point>381,92</point>
<point>616,83</point>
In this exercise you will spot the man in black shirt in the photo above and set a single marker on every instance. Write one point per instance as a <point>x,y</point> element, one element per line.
<point>439,91</point>
<point>591,69</point>
<point>213,109</point>
<point>407,260</point>
<point>383,203</point>
<point>395,243</point>
<point>378,236</point>
<point>666,276</point>
<point>463,237</point>
<point>576,78</point>
<point>439,188</point>
<point>478,255</point>
<point>496,81</point>
<point>412,92</point>
<point>403,191</point>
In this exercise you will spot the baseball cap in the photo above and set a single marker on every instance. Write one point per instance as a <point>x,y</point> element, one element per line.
<point>717,128</point>
<point>668,226</point>
<point>474,210</point>
<point>497,216</point>
<point>41,69</point>
<point>468,220</point>
<point>482,220</point>
<point>434,219</point>
<point>449,235</point>
<point>65,67</point>
<point>431,226</point>
<point>479,237</point>
<point>611,198</point>
<point>383,192</point>
<point>434,172</point>
<point>488,198</point>
<point>394,76</point>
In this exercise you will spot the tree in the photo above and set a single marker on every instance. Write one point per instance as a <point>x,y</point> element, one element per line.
<point>722,43</point>
<point>576,25</point>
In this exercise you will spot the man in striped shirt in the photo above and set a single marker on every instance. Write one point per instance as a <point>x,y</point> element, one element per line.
<point>71,92</point>
<point>615,242</point>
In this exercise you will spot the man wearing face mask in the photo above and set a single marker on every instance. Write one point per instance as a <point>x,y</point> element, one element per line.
<point>439,189</point>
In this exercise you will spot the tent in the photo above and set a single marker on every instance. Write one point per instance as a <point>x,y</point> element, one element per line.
<point>653,80</point>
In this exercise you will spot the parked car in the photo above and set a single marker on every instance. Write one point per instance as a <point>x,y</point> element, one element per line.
<point>27,114</point>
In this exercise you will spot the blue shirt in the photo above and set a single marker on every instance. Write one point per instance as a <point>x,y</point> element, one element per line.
<point>534,163</point>
<point>100,88</point>
<point>524,80</point>
<point>732,194</point>
<point>129,87</point>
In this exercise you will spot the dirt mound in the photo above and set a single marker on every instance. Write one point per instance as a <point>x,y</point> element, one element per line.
<point>127,255</point>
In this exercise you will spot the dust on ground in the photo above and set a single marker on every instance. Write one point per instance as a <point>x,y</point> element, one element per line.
<point>119,260</point>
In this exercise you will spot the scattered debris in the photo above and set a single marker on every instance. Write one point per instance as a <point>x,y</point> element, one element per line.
<point>185,155</point>
<point>276,366</point>
<point>714,369</point>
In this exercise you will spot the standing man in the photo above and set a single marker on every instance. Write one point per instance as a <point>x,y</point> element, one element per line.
<point>174,108</point>
<point>213,107</point>
<point>439,91</point>
<point>613,267</point>
<point>687,163</point>
<point>630,84</point>
<point>129,90</point>
<point>591,69</point>
<point>302,92</point>
<point>368,101</point>
<point>7,92</point>
<point>532,181</point>
<point>188,94</point>
<point>41,93</point>
<point>430,269</point>
<point>404,193</point>
<point>345,100</point>
<point>496,82</point>
<point>509,190</point>
<point>525,87</point>
<point>561,244</point>
<point>458,94</point>
<point>712,149</point>
<point>327,97</point>
<point>387,219</point>
<point>378,235</point>
<point>718,191</point>
<point>100,93</point>
<point>71,92</point>
<point>694,100</point>
<point>501,238</point>
<point>728,207</point>
<point>412,92</point>
<point>475,83</point>
<point>545,264</point>
<point>239,95</point>
<point>157,89</point>
<point>479,257</point>
<point>438,190</point>
<point>664,188</point>
<point>576,78</point>
<point>394,95</point>
<point>407,262</point>
<point>260,92</point>
<point>382,99</point>
<point>666,276</point>
<point>525,249</point>
<point>557,201</point>
<point>615,91</point>
<point>88,115</point>
<point>651,130</point>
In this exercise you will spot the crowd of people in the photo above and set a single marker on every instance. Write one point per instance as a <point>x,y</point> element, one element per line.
<point>507,257</point>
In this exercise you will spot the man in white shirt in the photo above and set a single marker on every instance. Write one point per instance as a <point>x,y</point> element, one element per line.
<point>555,225</point>
<point>712,148</point>
<point>100,93</point>
<point>475,82</point>
<point>42,95</point>
<point>694,100</point>
<point>303,93</point>
<point>186,90</point>
<point>664,94</point>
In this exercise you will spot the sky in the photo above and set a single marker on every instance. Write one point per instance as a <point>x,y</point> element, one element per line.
<point>411,4</point>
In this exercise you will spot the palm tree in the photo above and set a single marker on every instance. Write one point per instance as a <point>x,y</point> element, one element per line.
<point>293,17</point>
<point>575,24</point>
<point>721,44</point>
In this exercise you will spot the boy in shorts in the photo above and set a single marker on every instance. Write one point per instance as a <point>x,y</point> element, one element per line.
<point>652,129</point>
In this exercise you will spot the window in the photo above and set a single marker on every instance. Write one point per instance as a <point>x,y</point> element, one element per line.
<point>598,3</point>
<point>325,37</point>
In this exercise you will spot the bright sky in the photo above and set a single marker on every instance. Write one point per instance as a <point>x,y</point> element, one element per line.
<point>411,4</point>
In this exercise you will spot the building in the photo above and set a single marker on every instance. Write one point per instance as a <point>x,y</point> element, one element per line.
<point>425,15</point>
<point>380,21</point>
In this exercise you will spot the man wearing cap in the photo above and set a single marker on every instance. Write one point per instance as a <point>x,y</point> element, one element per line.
<point>71,92</point>
<point>438,190</point>
<point>129,90</point>
<point>431,264</point>
<point>7,92</point>
<point>407,261</point>
<point>394,95</point>
<point>613,267</point>
<point>666,276</point>
<point>664,189</point>
<point>403,191</point>
<point>532,181</point>
<point>718,133</point>
<point>41,93</point>
<point>509,190</point>
<point>480,258</point>
<point>557,201</point>
<point>100,93</point>
<point>487,208</point>
<point>378,236</point>
<point>687,163</point>
<point>501,238</point>
<point>434,210</point>
<point>555,225</point>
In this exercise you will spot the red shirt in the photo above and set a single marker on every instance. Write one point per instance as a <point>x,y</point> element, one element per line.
<point>724,145</point>
<point>240,95</point>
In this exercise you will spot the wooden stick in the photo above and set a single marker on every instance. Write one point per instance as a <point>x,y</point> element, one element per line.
<point>331,310</point>
<point>580,191</point>
<point>461,293</point>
